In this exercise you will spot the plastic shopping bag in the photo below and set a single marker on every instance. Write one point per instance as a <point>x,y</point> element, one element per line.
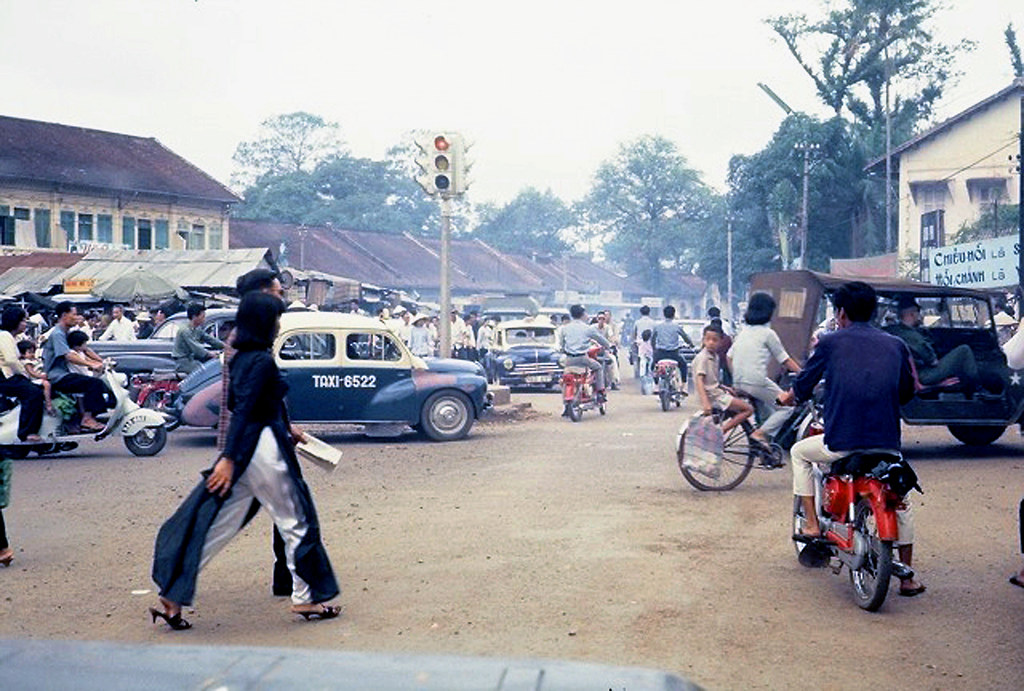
<point>701,444</point>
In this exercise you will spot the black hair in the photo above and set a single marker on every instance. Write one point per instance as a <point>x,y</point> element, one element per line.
<point>256,322</point>
<point>645,310</point>
<point>646,335</point>
<point>714,312</point>
<point>63,308</point>
<point>25,346</point>
<point>77,338</point>
<point>194,309</point>
<point>714,328</point>
<point>257,279</point>
<point>760,309</point>
<point>669,312</point>
<point>577,311</point>
<point>11,317</point>
<point>857,299</point>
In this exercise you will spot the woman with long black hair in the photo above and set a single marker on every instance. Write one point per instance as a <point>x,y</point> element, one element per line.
<point>257,467</point>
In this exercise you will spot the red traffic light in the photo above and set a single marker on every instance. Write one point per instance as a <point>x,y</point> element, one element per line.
<point>441,143</point>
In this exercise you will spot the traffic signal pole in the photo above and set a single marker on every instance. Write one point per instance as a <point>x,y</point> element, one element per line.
<point>446,290</point>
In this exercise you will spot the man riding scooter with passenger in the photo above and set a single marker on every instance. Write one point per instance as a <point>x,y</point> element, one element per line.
<point>574,340</point>
<point>867,377</point>
<point>57,355</point>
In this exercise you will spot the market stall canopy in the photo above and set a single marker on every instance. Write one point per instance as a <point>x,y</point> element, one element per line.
<point>139,285</point>
<point>189,269</point>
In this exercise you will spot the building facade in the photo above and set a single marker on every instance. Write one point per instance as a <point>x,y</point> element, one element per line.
<point>953,173</point>
<point>75,189</point>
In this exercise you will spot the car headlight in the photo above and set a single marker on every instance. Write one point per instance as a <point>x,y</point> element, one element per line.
<point>562,359</point>
<point>508,364</point>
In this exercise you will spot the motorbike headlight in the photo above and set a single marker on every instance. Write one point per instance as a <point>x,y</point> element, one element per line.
<point>562,360</point>
<point>508,364</point>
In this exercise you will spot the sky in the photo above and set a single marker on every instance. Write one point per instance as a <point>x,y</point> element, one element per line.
<point>546,90</point>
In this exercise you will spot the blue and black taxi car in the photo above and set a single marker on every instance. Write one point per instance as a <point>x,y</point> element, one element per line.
<point>350,369</point>
<point>525,354</point>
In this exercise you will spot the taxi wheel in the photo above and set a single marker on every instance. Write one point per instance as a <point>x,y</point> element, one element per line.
<point>446,416</point>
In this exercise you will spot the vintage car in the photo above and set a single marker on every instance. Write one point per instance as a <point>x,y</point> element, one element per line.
<point>525,353</point>
<point>350,369</point>
<point>952,316</point>
<point>154,353</point>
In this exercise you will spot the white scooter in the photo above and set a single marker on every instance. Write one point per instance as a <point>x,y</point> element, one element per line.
<point>143,430</point>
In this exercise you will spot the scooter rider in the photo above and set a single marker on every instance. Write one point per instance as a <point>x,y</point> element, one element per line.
<point>667,338</point>
<point>56,356</point>
<point>867,377</point>
<point>574,340</point>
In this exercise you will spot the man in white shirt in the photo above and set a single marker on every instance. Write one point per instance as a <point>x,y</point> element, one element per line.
<point>121,327</point>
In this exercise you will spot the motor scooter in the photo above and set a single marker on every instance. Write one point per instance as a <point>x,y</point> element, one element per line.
<point>670,383</point>
<point>857,500</point>
<point>143,430</point>
<point>159,391</point>
<point>578,389</point>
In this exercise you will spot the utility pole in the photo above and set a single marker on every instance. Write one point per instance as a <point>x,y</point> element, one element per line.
<point>446,291</point>
<point>728,260</point>
<point>888,159</point>
<point>806,148</point>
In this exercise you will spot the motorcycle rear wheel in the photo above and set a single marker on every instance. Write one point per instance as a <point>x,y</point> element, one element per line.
<point>665,393</point>
<point>575,407</point>
<point>871,581</point>
<point>737,459</point>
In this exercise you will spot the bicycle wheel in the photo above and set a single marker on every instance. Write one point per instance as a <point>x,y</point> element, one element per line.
<point>737,460</point>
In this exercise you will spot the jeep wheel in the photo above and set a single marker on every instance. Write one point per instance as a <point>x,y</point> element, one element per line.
<point>977,435</point>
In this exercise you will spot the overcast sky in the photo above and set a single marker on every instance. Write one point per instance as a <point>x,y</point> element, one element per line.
<point>546,89</point>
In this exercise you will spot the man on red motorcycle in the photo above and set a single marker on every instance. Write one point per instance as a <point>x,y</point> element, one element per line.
<point>867,377</point>
<point>574,339</point>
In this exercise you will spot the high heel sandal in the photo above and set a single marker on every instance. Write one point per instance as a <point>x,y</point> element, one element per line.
<point>6,561</point>
<point>324,612</point>
<point>175,622</point>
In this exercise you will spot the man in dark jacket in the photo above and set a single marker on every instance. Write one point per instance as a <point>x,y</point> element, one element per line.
<point>867,377</point>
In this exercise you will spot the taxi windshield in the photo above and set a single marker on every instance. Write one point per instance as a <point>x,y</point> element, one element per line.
<point>530,334</point>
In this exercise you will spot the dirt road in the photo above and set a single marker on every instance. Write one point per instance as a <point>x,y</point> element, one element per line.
<point>537,537</point>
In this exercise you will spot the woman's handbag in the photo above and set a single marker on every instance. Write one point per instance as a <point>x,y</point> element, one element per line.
<point>318,452</point>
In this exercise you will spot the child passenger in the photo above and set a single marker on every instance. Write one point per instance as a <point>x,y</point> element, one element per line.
<point>27,354</point>
<point>705,368</point>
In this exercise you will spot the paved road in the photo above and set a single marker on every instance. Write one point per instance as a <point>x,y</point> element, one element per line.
<point>537,537</point>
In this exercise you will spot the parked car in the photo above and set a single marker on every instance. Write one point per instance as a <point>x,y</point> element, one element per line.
<point>350,369</point>
<point>154,353</point>
<point>525,353</point>
<point>952,317</point>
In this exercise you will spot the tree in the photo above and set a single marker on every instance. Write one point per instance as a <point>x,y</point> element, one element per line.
<point>289,143</point>
<point>530,223</point>
<point>869,44</point>
<point>651,207</point>
<point>1014,48</point>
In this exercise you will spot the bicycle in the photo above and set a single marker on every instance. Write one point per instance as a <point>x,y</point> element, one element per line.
<point>741,453</point>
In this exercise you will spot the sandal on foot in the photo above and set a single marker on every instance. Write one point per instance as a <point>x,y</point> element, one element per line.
<point>175,622</point>
<point>323,612</point>
<point>1016,580</point>
<point>912,592</point>
<point>7,558</point>
<point>808,538</point>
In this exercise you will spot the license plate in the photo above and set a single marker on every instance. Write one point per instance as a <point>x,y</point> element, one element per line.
<point>541,379</point>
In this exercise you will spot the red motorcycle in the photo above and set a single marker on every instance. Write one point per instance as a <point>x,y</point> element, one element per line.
<point>157,391</point>
<point>578,389</point>
<point>857,500</point>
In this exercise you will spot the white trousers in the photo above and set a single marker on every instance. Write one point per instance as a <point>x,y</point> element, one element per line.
<point>813,450</point>
<point>267,480</point>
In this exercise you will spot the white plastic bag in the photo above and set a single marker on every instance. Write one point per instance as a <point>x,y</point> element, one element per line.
<point>701,444</point>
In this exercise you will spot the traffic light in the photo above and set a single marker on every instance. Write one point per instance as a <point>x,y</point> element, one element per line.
<point>442,160</point>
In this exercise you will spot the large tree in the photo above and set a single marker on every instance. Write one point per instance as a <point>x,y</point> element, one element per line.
<point>860,46</point>
<point>288,143</point>
<point>651,208</point>
<point>530,223</point>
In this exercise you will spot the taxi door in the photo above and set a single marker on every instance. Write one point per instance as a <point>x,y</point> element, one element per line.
<point>308,358</point>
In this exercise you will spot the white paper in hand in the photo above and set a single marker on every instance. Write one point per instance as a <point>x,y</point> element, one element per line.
<point>318,452</point>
